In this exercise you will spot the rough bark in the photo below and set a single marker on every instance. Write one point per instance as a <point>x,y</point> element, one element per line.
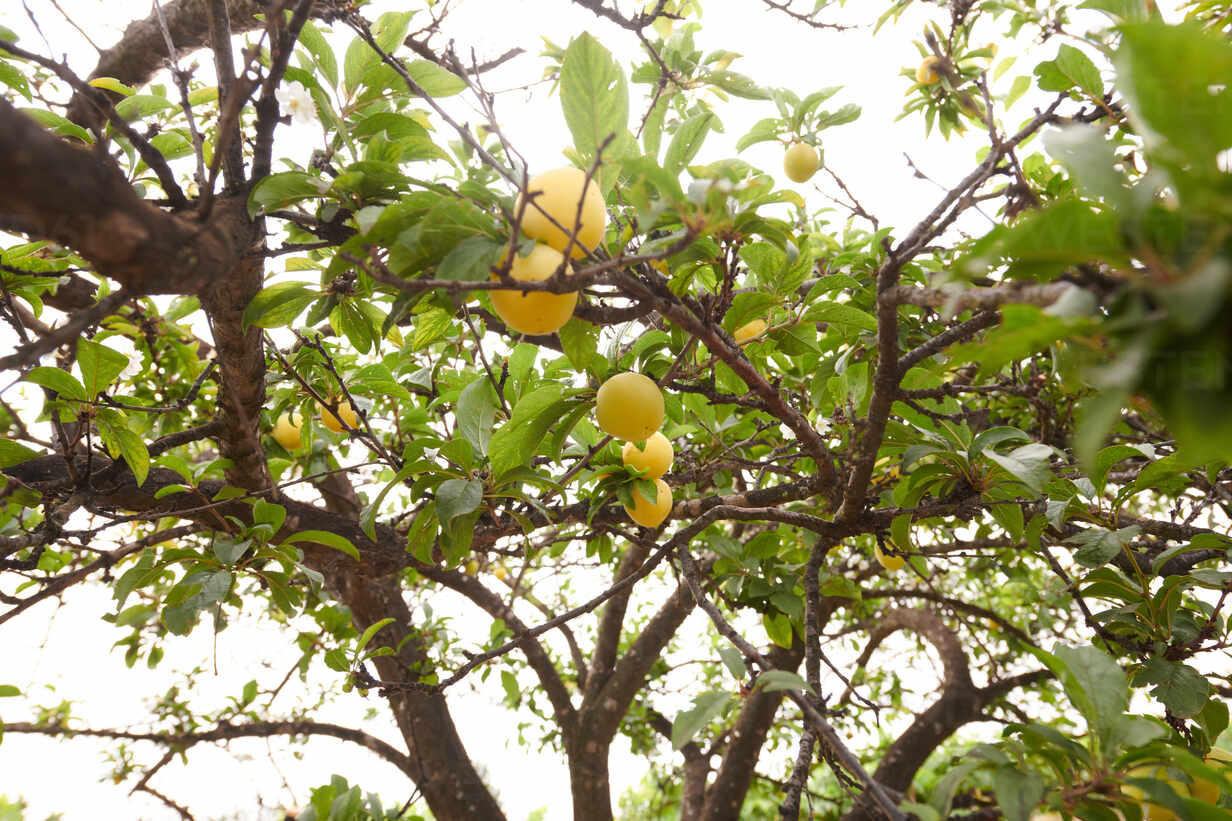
<point>58,190</point>
<point>444,771</point>
<point>241,365</point>
<point>727,792</point>
<point>141,50</point>
<point>599,717</point>
<point>960,702</point>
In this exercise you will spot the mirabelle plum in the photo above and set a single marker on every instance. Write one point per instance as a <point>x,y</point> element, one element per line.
<point>927,74</point>
<point>1200,789</point>
<point>888,561</point>
<point>651,514</point>
<point>534,312</point>
<point>344,418</point>
<point>287,431</point>
<point>629,407</point>
<point>801,162</point>
<point>655,457</point>
<point>558,192</point>
<point>750,330</point>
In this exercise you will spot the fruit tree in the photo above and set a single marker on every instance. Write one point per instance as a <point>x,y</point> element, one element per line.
<point>816,511</point>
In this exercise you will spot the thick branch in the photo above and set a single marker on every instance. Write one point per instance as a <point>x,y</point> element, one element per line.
<point>54,189</point>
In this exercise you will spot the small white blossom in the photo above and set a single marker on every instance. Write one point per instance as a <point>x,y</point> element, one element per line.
<point>295,101</point>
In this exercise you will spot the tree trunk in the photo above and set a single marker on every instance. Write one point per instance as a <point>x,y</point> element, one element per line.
<point>731,783</point>
<point>444,772</point>
<point>588,774</point>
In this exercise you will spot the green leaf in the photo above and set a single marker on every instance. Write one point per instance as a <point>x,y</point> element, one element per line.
<point>941,797</point>
<point>58,124</point>
<point>283,189</point>
<point>593,94</point>
<point>475,412</point>
<point>733,661</point>
<point>1120,11</point>
<point>312,39</point>
<point>457,497</point>
<point>62,382</point>
<point>127,444</point>
<point>12,77</point>
<point>371,631</point>
<point>8,691</point>
<point>580,341</point>
<point>1093,678</point>
<point>268,513</point>
<point>1182,689</point>
<point>687,141</point>
<point>1072,69</point>
<point>1018,792</point>
<point>516,441</point>
<point>691,721</point>
<point>774,680</point>
<point>434,80</point>
<point>279,304</point>
<point>1098,546</point>
<point>777,627</point>
<point>762,131</point>
<point>1046,242</point>
<point>513,692</point>
<point>1176,78</point>
<point>736,84</point>
<point>99,365</point>
<point>354,325</point>
<point>1028,464</point>
<point>140,106</point>
<point>228,551</point>
<point>12,453</point>
<point>389,31</point>
<point>840,314</point>
<point>323,537</point>
<point>471,260</point>
<point>993,437</point>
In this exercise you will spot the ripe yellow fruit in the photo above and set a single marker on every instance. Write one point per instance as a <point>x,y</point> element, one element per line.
<point>927,74</point>
<point>344,418</point>
<point>534,312</point>
<point>801,162</point>
<point>751,330</point>
<point>558,193</point>
<point>651,514</point>
<point>1200,789</point>
<point>891,563</point>
<point>500,572</point>
<point>630,407</point>
<point>287,431</point>
<point>655,458</point>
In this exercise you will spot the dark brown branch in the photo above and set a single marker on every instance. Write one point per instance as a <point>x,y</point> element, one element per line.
<point>958,333</point>
<point>77,197</point>
<point>536,655</point>
<point>58,584</point>
<point>227,732</point>
<point>156,161</point>
<point>887,375</point>
<point>229,143</point>
<point>28,354</point>
<point>958,299</point>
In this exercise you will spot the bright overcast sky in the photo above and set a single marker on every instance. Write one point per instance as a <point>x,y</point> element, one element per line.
<point>869,155</point>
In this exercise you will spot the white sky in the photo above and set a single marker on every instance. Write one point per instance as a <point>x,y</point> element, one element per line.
<point>67,648</point>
